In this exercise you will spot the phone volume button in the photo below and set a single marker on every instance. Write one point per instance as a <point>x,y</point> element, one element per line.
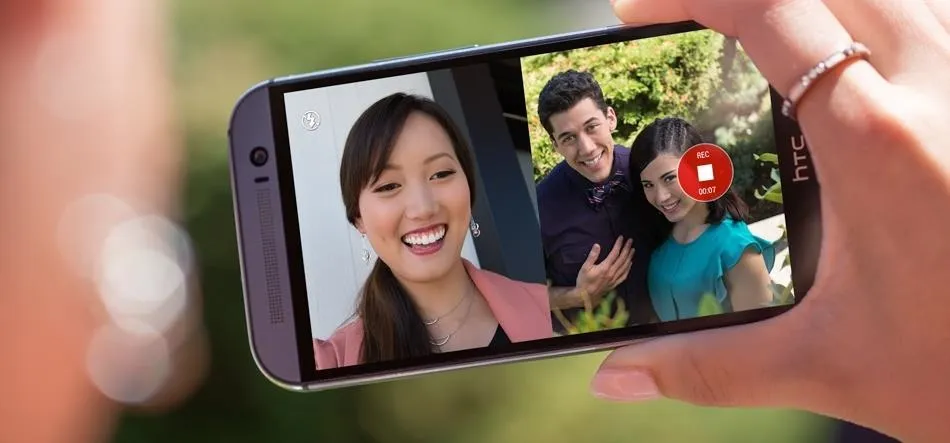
<point>424,54</point>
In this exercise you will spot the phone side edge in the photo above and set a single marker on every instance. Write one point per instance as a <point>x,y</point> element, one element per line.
<point>801,199</point>
<point>250,126</point>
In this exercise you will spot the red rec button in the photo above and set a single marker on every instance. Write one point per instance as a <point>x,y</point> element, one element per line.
<point>705,172</point>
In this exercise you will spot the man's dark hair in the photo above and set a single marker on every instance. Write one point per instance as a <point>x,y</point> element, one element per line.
<point>565,90</point>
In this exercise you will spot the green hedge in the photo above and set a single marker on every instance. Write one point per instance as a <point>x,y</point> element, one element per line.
<point>700,76</point>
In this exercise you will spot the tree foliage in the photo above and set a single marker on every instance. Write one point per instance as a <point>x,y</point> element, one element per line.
<point>610,313</point>
<point>702,77</point>
<point>642,80</point>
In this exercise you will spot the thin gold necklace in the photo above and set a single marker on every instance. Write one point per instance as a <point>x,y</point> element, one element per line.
<point>442,341</point>
<point>459,303</point>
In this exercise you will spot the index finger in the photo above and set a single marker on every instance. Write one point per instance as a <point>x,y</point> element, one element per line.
<point>591,257</point>
<point>611,257</point>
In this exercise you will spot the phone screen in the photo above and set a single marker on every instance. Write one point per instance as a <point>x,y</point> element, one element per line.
<point>451,214</point>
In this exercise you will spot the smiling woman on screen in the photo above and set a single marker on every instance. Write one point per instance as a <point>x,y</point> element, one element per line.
<point>710,251</point>
<point>408,186</point>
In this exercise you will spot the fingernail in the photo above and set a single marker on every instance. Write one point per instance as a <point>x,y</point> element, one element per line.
<point>624,385</point>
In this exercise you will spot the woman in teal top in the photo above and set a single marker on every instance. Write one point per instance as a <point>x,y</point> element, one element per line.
<point>708,252</point>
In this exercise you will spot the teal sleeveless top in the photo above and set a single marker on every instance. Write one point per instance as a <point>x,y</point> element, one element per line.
<point>680,275</point>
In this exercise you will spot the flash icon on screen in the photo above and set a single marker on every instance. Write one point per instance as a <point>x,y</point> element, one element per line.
<point>705,173</point>
<point>311,120</point>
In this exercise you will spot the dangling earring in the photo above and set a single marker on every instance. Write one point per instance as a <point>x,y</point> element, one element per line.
<point>474,228</point>
<point>365,254</point>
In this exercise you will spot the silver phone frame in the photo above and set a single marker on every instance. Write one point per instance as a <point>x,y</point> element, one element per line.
<point>262,129</point>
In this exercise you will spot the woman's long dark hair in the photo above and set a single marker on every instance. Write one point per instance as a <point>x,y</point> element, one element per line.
<point>674,136</point>
<point>392,328</point>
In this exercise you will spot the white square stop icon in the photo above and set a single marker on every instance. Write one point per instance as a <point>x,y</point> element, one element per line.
<point>705,173</point>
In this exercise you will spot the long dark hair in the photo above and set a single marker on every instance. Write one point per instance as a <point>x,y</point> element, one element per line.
<point>674,136</point>
<point>392,328</point>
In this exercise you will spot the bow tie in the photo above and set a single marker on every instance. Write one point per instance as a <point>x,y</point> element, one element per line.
<point>597,194</point>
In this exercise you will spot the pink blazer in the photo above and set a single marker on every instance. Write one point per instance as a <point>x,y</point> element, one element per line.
<point>522,309</point>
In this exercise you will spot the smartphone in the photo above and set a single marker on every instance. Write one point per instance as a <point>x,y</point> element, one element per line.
<point>429,213</point>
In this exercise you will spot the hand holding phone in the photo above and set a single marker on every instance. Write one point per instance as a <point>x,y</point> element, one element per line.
<point>872,333</point>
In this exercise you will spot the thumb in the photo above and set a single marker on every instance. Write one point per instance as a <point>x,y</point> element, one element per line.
<point>749,365</point>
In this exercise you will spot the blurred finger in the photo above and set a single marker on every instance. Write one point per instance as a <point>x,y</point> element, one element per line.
<point>720,367</point>
<point>902,36</point>
<point>941,10</point>
<point>87,82</point>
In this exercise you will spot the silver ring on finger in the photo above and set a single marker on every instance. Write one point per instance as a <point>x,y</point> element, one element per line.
<point>798,90</point>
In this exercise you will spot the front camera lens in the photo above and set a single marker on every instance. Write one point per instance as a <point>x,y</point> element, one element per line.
<point>259,156</point>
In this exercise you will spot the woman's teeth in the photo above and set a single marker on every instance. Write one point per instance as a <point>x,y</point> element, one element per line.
<point>424,238</point>
<point>670,207</point>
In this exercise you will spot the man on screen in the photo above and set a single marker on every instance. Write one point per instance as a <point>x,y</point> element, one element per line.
<point>595,234</point>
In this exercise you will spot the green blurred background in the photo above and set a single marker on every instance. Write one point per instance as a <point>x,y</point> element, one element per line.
<point>223,47</point>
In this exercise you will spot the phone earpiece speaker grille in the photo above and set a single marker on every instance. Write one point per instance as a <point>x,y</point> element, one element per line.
<point>271,270</point>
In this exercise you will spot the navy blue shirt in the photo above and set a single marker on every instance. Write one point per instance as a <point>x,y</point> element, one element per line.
<point>570,226</point>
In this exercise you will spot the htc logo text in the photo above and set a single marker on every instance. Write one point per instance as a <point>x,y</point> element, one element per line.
<point>799,155</point>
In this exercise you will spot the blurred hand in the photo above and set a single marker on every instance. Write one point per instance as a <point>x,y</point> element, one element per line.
<point>97,311</point>
<point>871,341</point>
<point>597,279</point>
